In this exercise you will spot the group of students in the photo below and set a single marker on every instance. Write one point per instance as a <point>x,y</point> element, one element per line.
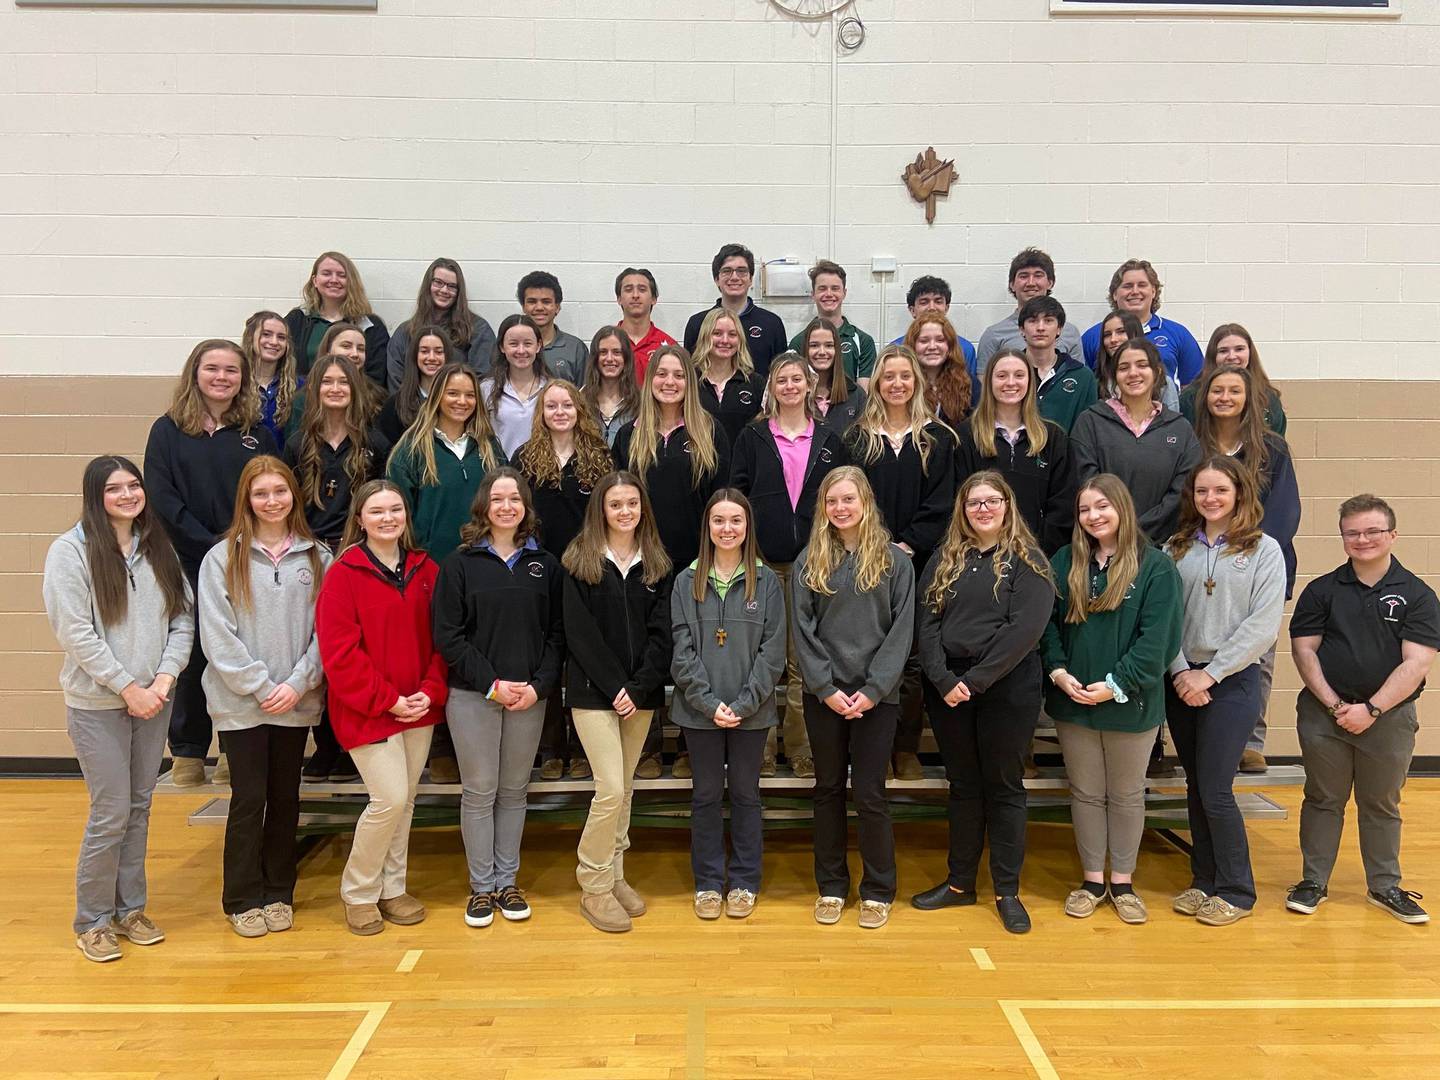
<point>899,538</point>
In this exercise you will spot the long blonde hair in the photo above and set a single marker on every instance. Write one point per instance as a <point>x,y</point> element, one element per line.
<point>789,358</point>
<point>874,558</point>
<point>699,427</point>
<point>585,557</point>
<point>537,460</point>
<point>285,371</point>
<point>867,434</point>
<point>703,350</point>
<point>1016,543</point>
<point>308,464</point>
<point>1123,566</point>
<point>419,438</point>
<point>356,305</point>
<point>241,533</point>
<point>982,420</point>
<point>187,405</point>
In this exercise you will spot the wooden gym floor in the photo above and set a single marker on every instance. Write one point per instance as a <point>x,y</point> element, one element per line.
<point>1349,992</point>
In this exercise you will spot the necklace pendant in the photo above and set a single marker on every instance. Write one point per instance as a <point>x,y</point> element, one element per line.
<point>720,636</point>
<point>1210,586</point>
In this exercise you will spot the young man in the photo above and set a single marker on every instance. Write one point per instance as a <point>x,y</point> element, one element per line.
<point>1032,274</point>
<point>929,293</point>
<point>540,297</point>
<point>857,348</point>
<point>733,269</point>
<point>1363,637</point>
<point>1135,287</point>
<point>1064,386</point>
<point>637,295</point>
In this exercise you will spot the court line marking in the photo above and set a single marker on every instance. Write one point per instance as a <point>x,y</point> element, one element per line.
<point>695,1041</point>
<point>982,960</point>
<point>1014,1012</point>
<point>374,1012</point>
<point>408,961</point>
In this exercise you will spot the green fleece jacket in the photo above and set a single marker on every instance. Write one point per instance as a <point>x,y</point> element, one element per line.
<point>437,512</point>
<point>1133,644</point>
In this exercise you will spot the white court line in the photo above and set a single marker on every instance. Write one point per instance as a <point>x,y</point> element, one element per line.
<point>982,960</point>
<point>408,961</point>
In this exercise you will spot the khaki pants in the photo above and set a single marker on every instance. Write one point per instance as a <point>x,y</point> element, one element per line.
<point>797,739</point>
<point>391,771</point>
<point>612,746</point>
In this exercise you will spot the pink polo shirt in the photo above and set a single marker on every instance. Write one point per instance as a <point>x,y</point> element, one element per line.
<point>794,453</point>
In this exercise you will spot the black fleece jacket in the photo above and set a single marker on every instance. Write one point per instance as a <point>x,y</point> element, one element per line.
<point>737,403</point>
<point>678,503</point>
<point>561,510</point>
<point>782,531</point>
<point>327,521</point>
<point>916,503</point>
<point>492,622</point>
<point>617,635</point>
<point>1044,485</point>
<point>377,341</point>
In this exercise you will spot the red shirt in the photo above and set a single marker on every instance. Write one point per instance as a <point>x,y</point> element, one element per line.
<point>375,645</point>
<point>646,346</point>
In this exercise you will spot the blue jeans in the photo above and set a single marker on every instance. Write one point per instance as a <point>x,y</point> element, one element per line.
<point>709,750</point>
<point>1210,740</point>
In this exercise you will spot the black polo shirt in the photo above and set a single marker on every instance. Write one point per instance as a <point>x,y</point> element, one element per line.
<point>764,333</point>
<point>1361,627</point>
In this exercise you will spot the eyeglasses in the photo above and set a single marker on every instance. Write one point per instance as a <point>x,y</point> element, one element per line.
<point>994,502</point>
<point>734,271</point>
<point>1350,536</point>
<point>444,286</point>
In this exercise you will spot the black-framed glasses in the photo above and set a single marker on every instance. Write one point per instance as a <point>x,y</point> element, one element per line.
<point>1350,536</point>
<point>994,502</point>
<point>444,286</point>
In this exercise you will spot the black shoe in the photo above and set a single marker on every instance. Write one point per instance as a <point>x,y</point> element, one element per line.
<point>317,769</point>
<point>1400,903</point>
<point>344,771</point>
<point>1306,897</point>
<point>480,911</point>
<point>1013,915</point>
<point>511,902</point>
<point>942,896</point>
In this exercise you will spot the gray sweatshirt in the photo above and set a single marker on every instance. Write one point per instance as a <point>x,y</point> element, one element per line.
<point>100,660</point>
<point>743,672</point>
<point>1233,627</point>
<point>1154,465</point>
<point>852,640</point>
<point>251,652</point>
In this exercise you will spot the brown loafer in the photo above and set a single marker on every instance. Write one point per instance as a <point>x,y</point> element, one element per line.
<point>908,767</point>
<point>363,919</point>
<point>402,910</point>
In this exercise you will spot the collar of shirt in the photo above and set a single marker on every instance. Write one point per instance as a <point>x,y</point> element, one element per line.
<point>1346,573</point>
<point>1011,437</point>
<point>800,436</point>
<point>1123,412</point>
<point>653,339</point>
<point>458,447</point>
<point>623,565</point>
<point>275,554</point>
<point>529,546</point>
<point>1219,540</point>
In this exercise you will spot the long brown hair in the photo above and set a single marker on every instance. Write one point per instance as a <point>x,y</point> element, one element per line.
<point>287,382</point>
<point>419,438</point>
<point>1105,364</point>
<point>407,397</point>
<point>1252,419</point>
<point>537,459</point>
<point>749,550</point>
<point>368,490</point>
<point>838,379</point>
<point>308,466</point>
<point>789,358</point>
<point>1243,534</point>
<point>356,305</point>
<point>950,392</point>
<point>629,388</point>
<point>370,394</point>
<point>458,323</point>
<point>585,557</point>
<point>1123,566</point>
<point>982,421</point>
<point>826,551</point>
<point>699,427</point>
<point>241,534</point>
<point>187,406</point>
<point>1016,543</point>
<point>109,572</point>
<point>479,528</point>
<point>500,363</point>
<point>1269,393</point>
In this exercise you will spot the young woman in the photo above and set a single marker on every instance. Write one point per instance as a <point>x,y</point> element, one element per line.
<point>121,610</point>
<point>386,689</point>
<point>1149,447</point>
<point>1113,632</point>
<point>1008,434</point>
<point>1232,578</point>
<point>193,460</point>
<point>909,459</point>
<point>345,341</point>
<point>947,380</point>
<point>839,400</point>
<point>1230,423</point>
<point>511,391</point>
<point>779,462</point>
<point>854,618</point>
<point>616,599</point>
<point>334,293</point>
<point>1116,329</point>
<point>442,303</point>
<point>730,390</point>
<point>258,588</point>
<point>428,352</point>
<point>985,599</point>
<point>611,391</point>
<point>728,614</point>
<point>563,461</point>
<point>266,343</point>
<point>498,626</point>
<point>1232,346</point>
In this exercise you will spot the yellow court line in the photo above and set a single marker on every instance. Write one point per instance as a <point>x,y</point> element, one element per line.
<point>1039,1060</point>
<point>695,1042</point>
<point>982,959</point>
<point>408,961</point>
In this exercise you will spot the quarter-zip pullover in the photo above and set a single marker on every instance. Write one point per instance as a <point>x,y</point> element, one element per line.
<point>617,637</point>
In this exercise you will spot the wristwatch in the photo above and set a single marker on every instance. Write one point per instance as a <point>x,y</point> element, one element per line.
<point>1374,712</point>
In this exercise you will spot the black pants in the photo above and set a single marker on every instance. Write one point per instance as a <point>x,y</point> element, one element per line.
<point>984,742</point>
<point>911,723</point>
<point>190,728</point>
<point>557,737</point>
<point>864,746</point>
<point>261,851</point>
<point>711,751</point>
<point>441,745</point>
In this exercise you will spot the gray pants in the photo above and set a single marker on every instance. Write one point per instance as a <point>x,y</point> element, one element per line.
<point>1256,741</point>
<point>1106,770</point>
<point>1373,764</point>
<point>120,758</point>
<point>495,749</point>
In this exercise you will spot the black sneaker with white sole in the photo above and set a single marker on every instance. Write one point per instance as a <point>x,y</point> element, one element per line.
<point>1306,896</point>
<point>1400,903</point>
<point>480,911</point>
<point>511,902</point>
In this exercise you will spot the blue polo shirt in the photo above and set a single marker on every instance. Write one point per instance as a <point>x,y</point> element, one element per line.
<point>1178,349</point>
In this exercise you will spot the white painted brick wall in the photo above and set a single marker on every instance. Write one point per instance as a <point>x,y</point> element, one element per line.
<point>165,173</point>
